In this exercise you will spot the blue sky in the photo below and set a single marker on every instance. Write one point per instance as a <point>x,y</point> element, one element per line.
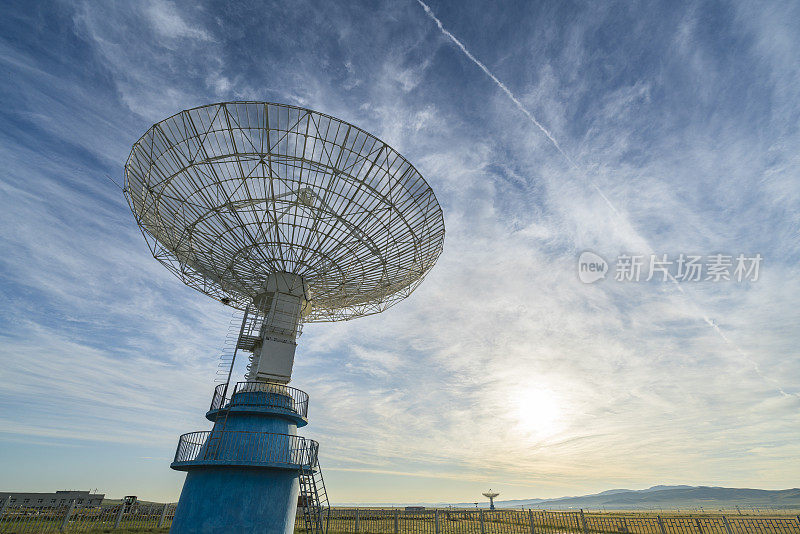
<point>678,133</point>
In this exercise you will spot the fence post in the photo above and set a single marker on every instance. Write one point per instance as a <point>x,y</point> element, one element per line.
<point>480,515</point>
<point>119,515</point>
<point>661,525</point>
<point>65,523</point>
<point>396,521</point>
<point>163,515</point>
<point>356,519</point>
<point>6,502</point>
<point>583,522</point>
<point>530,519</point>
<point>436,520</point>
<point>727,525</point>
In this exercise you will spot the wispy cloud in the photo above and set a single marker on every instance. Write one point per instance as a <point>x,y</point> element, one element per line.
<point>502,368</point>
<point>636,93</point>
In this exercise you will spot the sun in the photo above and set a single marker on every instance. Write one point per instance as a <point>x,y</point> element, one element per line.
<point>537,413</point>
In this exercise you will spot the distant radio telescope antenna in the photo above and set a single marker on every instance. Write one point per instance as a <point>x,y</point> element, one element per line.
<point>491,495</point>
<point>294,217</point>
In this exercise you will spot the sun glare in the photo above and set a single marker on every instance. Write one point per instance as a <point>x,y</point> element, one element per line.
<point>537,413</point>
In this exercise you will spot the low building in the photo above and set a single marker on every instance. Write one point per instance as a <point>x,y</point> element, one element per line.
<point>59,498</point>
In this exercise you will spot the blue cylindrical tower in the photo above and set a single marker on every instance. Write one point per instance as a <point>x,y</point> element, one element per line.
<point>294,217</point>
<point>244,475</point>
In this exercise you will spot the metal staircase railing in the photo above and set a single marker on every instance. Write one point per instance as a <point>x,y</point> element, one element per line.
<point>251,329</point>
<point>314,496</point>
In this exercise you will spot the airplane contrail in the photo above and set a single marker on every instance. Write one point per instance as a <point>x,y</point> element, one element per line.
<point>500,84</point>
<point>576,167</point>
<point>513,98</point>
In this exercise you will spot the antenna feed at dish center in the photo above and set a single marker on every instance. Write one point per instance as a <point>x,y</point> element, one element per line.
<point>283,304</point>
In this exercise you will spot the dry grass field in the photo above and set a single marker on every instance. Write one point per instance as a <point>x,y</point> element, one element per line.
<point>442,521</point>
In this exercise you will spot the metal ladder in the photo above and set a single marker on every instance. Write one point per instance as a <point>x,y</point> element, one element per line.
<point>221,420</point>
<point>313,496</point>
<point>214,442</point>
<point>228,351</point>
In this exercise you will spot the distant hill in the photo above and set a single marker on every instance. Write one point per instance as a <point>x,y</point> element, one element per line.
<point>665,497</point>
<point>670,497</point>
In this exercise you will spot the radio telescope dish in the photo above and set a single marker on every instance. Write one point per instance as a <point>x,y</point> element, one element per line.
<point>292,216</point>
<point>490,495</point>
<point>241,199</point>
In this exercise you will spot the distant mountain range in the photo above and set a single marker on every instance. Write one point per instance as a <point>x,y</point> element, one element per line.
<point>670,497</point>
<point>656,497</point>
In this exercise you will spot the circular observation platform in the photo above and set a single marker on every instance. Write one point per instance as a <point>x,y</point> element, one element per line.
<point>257,398</point>
<point>211,448</point>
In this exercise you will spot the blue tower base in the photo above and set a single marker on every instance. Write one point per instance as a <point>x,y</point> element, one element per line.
<point>222,500</point>
<point>243,475</point>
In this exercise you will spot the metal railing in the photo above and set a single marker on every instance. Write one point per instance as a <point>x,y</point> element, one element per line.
<point>262,394</point>
<point>245,448</point>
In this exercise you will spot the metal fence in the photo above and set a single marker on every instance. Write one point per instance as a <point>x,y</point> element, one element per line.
<point>448,521</point>
<point>149,517</point>
<point>74,518</point>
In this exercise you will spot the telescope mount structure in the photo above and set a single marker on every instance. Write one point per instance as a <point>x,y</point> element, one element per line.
<point>293,217</point>
<point>490,495</point>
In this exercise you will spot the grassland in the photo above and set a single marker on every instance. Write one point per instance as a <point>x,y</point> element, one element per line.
<point>447,521</point>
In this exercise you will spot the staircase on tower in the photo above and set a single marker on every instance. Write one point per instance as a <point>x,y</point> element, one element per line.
<point>313,499</point>
<point>313,496</point>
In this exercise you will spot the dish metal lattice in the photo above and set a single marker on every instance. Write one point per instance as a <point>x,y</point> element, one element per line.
<point>228,193</point>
